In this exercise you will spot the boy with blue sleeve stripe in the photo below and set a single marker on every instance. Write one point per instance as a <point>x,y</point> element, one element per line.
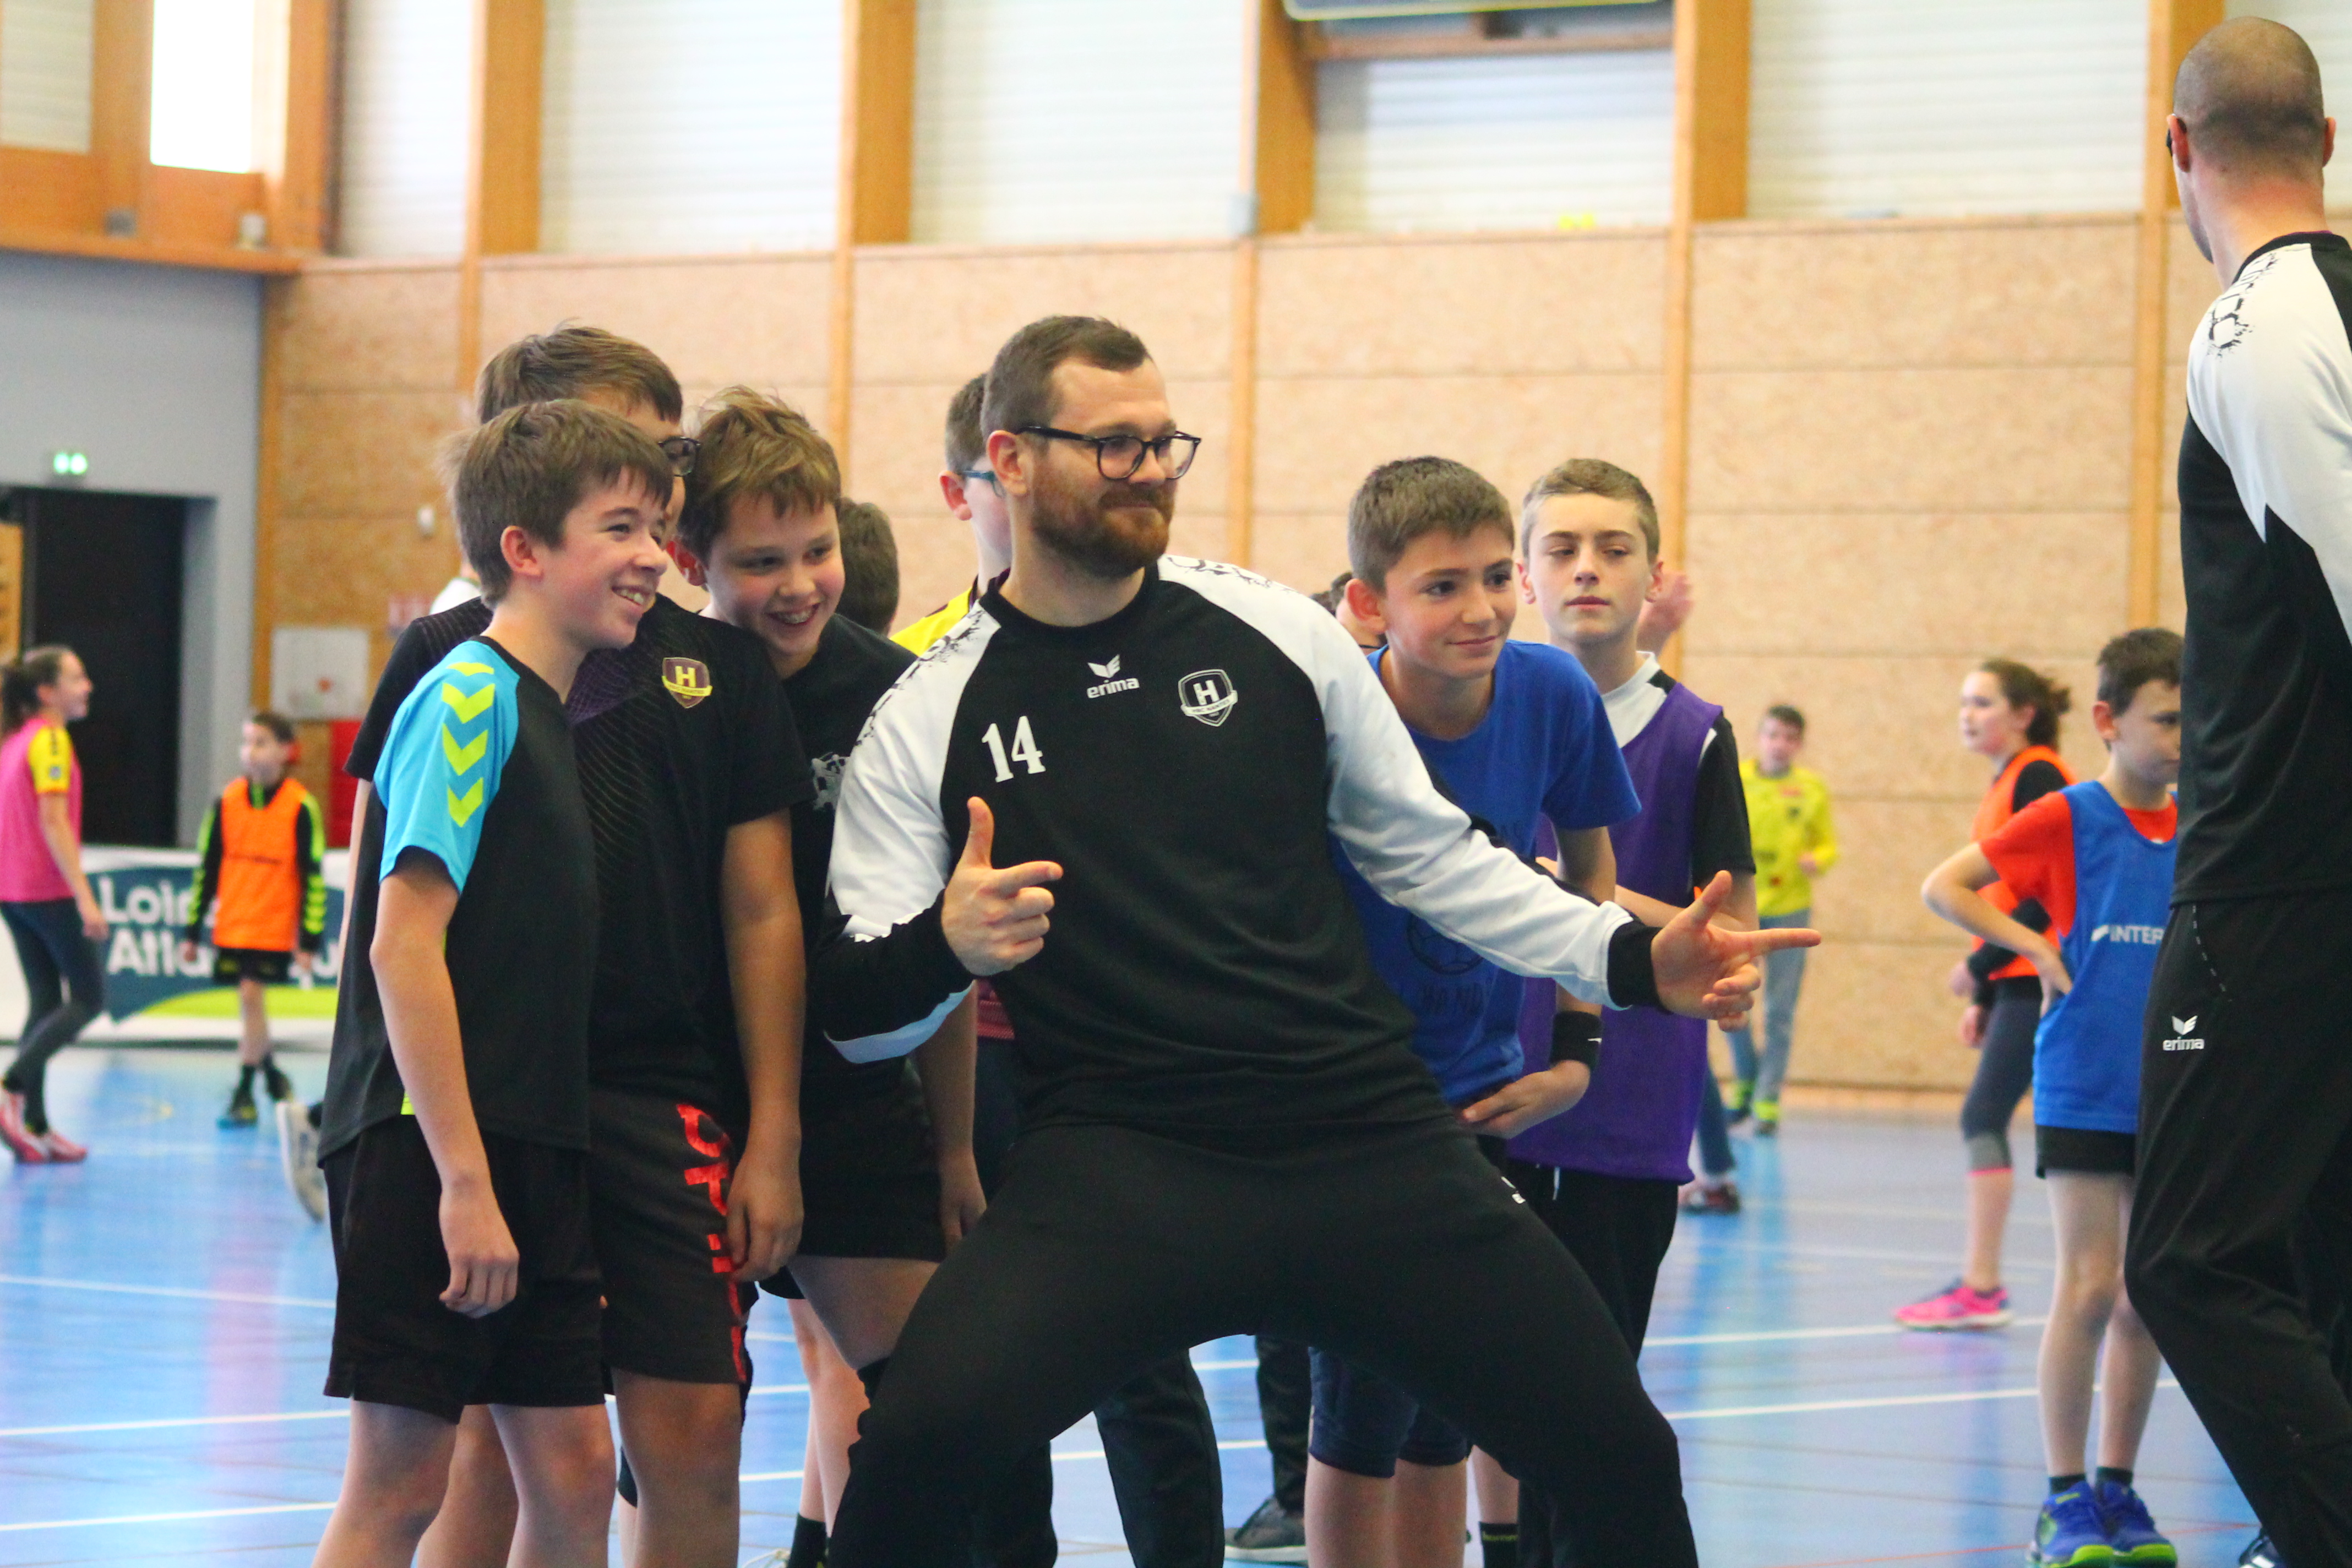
<point>2099,857</point>
<point>455,1131</point>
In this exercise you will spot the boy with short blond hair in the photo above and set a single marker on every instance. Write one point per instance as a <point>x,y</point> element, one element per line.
<point>260,853</point>
<point>2098,859</point>
<point>1605,1175</point>
<point>458,1098</point>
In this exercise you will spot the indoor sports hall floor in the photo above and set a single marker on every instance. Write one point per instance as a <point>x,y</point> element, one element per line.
<point>163,1317</point>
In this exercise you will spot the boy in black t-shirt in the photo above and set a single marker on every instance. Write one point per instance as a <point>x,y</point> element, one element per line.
<point>886,1156</point>
<point>458,1102</point>
<point>688,761</point>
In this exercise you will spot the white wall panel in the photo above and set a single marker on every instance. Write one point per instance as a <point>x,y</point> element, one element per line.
<point>1496,141</point>
<point>1077,120</point>
<point>407,73</point>
<point>2326,26</point>
<point>1872,107</point>
<point>690,125</point>
<point>45,54</point>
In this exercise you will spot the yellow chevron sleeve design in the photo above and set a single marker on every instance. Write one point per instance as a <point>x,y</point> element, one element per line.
<point>469,708</point>
<point>472,669</point>
<point>463,806</point>
<point>463,758</point>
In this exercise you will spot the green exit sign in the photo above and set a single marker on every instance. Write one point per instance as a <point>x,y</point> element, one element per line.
<point>69,465</point>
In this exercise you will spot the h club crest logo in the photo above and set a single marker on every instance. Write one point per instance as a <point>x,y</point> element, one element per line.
<point>1207,695</point>
<point>688,680</point>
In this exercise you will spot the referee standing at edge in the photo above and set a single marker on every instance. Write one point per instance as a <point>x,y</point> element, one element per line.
<point>2245,1153</point>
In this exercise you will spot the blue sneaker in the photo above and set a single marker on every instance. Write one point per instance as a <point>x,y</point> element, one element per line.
<point>2070,1533</point>
<point>2130,1530</point>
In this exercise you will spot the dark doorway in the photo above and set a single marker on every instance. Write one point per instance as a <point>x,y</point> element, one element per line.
<point>102,575</point>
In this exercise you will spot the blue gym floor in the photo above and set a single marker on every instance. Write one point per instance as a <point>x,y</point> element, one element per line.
<point>164,1310</point>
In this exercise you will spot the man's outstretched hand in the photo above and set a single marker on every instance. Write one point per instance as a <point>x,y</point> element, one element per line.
<point>994,918</point>
<point>1706,971</point>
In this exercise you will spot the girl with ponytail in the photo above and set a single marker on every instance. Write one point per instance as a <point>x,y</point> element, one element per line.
<point>45,898</point>
<point>2008,716</point>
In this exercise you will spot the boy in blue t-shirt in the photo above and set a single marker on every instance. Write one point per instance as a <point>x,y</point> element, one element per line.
<point>2099,857</point>
<point>1515,734</point>
<point>456,1133</point>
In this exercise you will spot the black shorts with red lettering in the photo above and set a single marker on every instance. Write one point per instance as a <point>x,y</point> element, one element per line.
<point>658,1175</point>
<point>869,1180</point>
<point>395,1343</point>
<point>231,965</point>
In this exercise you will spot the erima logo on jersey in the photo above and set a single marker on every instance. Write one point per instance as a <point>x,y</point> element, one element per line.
<point>1112,682</point>
<point>2146,936</point>
<point>1207,695</point>
<point>2180,1028</point>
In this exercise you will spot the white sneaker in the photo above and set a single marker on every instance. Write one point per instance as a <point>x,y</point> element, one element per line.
<point>298,1147</point>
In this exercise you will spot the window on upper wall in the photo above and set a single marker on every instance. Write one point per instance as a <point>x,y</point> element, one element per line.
<point>690,125</point>
<point>45,62</point>
<point>407,73</point>
<point>1079,119</point>
<point>2326,26</point>
<point>1877,108</point>
<point>200,100</point>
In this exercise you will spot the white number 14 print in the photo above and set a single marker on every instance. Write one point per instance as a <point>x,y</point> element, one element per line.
<point>1025,749</point>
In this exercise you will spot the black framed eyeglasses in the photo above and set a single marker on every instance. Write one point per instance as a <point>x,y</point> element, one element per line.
<point>1121,457</point>
<point>680,451</point>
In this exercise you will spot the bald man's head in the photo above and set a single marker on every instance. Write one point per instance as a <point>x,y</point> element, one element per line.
<point>2249,92</point>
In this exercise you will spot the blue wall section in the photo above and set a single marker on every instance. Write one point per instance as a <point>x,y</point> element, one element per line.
<point>155,372</point>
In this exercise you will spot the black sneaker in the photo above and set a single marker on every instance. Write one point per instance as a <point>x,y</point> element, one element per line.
<point>2260,1553</point>
<point>240,1111</point>
<point>1273,1534</point>
<point>280,1086</point>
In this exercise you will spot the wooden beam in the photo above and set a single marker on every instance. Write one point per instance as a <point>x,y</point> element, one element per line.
<point>1710,182</point>
<point>877,122</point>
<point>1241,417</point>
<point>1280,144</point>
<point>2172,27</point>
<point>875,199</point>
<point>156,252</point>
<point>42,192</point>
<point>293,131</point>
<point>501,157</point>
<point>122,70</point>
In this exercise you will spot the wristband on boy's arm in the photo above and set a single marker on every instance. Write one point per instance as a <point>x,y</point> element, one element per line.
<point>1575,1037</point>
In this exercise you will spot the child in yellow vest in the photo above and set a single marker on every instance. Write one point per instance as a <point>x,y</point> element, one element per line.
<point>262,846</point>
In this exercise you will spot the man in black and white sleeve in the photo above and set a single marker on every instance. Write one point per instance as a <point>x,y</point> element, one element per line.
<point>2243,1218</point>
<point>1225,1129</point>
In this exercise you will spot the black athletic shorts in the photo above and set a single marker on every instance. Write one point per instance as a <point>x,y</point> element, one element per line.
<point>869,1183</point>
<point>395,1343</point>
<point>231,965</point>
<point>2083,1151</point>
<point>657,1174</point>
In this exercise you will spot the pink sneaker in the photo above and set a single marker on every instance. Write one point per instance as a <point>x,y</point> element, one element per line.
<point>21,1143</point>
<point>62,1150</point>
<point>1958,1306</point>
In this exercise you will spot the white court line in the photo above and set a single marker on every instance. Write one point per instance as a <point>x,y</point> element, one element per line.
<point>1889,1402</point>
<point>1762,1336</point>
<point>775,1390</point>
<point>177,1292</point>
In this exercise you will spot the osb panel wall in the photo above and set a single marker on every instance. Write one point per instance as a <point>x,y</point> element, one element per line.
<point>1910,449</point>
<point>929,318</point>
<point>1509,354</point>
<point>367,370</point>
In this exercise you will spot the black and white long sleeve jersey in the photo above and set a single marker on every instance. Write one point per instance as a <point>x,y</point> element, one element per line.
<point>2266,552</point>
<point>1187,762</point>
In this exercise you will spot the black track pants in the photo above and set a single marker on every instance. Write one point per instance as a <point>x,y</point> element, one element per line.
<point>2245,1154</point>
<point>1286,1399</point>
<point>1400,1249</point>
